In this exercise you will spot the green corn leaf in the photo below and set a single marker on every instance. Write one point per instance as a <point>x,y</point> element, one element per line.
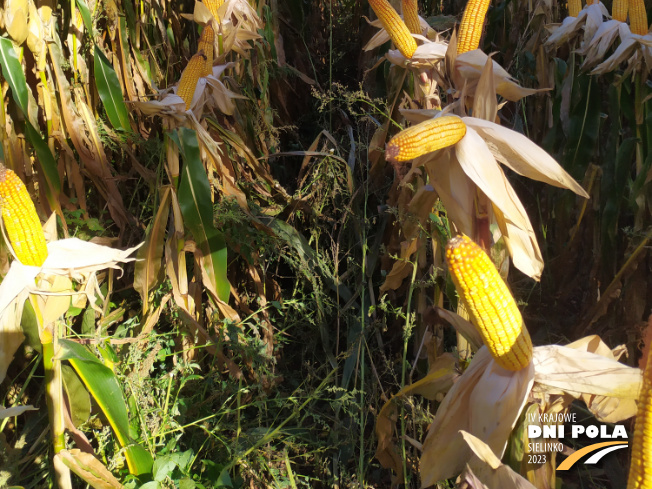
<point>197,210</point>
<point>103,385</point>
<point>86,17</point>
<point>12,71</point>
<point>108,86</point>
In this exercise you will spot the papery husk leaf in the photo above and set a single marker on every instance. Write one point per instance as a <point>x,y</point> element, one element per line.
<point>480,165</point>
<point>608,387</point>
<point>468,480</point>
<point>426,54</point>
<point>625,52</point>
<point>201,14</point>
<point>15,411</point>
<point>486,401</point>
<point>589,18</point>
<point>520,154</point>
<point>485,106</point>
<point>57,301</point>
<point>16,13</point>
<point>245,15</point>
<point>73,256</point>
<point>522,245</point>
<point>490,470</point>
<point>469,67</point>
<point>605,408</point>
<point>602,40</point>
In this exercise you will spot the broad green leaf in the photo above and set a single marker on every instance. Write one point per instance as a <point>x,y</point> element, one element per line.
<point>78,397</point>
<point>86,17</point>
<point>108,86</point>
<point>49,165</point>
<point>197,210</point>
<point>103,385</point>
<point>12,71</point>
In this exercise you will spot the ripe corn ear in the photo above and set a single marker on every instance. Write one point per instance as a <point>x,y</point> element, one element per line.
<point>640,468</point>
<point>213,6</point>
<point>395,27</point>
<point>638,17</point>
<point>470,31</point>
<point>619,10</point>
<point>21,222</point>
<point>490,304</point>
<point>206,46</point>
<point>189,78</point>
<point>411,16</point>
<point>574,7</point>
<point>425,137</point>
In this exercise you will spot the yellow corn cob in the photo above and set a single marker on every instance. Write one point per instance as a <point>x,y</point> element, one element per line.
<point>619,10</point>
<point>395,27</point>
<point>213,6</point>
<point>425,137</point>
<point>189,78</point>
<point>470,32</point>
<point>411,16</point>
<point>21,222</point>
<point>574,7</point>
<point>490,304</point>
<point>206,46</point>
<point>640,468</point>
<point>637,17</point>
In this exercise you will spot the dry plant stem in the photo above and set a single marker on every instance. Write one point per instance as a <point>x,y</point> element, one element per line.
<point>595,312</point>
<point>585,202</point>
<point>46,89</point>
<point>54,396</point>
<point>407,332</point>
<point>639,115</point>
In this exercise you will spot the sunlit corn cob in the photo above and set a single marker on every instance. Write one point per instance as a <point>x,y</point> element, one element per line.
<point>213,6</point>
<point>619,10</point>
<point>395,27</point>
<point>21,222</point>
<point>206,46</point>
<point>490,304</point>
<point>411,16</point>
<point>637,17</point>
<point>468,37</point>
<point>640,468</point>
<point>574,7</point>
<point>425,137</point>
<point>190,76</point>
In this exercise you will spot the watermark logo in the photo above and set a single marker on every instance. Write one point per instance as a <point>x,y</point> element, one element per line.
<point>542,427</point>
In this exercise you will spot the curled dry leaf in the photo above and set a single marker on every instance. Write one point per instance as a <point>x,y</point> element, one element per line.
<point>469,67</point>
<point>489,469</point>
<point>486,401</point>
<point>16,13</point>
